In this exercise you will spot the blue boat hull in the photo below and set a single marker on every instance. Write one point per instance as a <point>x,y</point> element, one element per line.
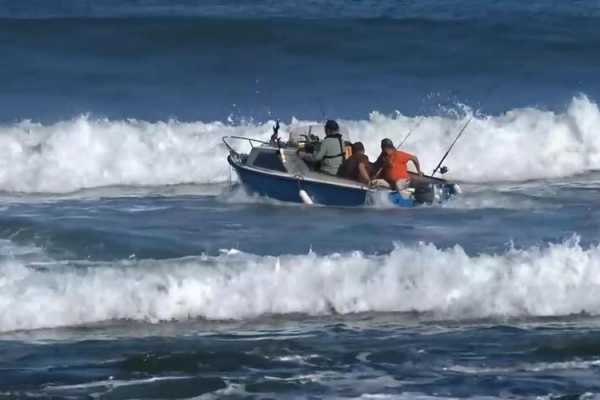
<point>284,187</point>
<point>287,189</point>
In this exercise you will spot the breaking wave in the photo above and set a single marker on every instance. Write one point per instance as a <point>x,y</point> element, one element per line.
<point>554,280</point>
<point>67,156</point>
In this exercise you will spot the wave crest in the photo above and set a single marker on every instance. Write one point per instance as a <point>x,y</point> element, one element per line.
<point>559,279</point>
<point>522,144</point>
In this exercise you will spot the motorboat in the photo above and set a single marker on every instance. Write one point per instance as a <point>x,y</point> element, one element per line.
<point>275,170</point>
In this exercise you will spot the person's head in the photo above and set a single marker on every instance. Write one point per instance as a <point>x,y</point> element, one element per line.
<point>331,127</point>
<point>358,148</point>
<point>387,146</point>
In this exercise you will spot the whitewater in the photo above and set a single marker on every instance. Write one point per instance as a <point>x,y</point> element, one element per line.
<point>555,280</point>
<point>87,152</point>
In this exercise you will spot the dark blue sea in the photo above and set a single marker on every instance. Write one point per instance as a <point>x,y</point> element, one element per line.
<point>133,266</point>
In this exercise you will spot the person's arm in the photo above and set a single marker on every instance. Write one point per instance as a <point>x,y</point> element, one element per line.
<point>363,173</point>
<point>318,156</point>
<point>415,161</point>
<point>305,156</point>
<point>377,167</point>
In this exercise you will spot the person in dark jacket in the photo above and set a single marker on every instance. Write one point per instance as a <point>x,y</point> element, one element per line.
<point>357,166</point>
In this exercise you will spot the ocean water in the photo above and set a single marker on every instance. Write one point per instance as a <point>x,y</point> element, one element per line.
<point>132,264</point>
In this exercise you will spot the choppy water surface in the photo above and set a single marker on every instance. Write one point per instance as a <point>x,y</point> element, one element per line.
<point>190,290</point>
<point>132,265</point>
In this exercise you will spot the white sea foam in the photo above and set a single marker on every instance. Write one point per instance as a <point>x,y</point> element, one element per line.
<point>85,152</point>
<point>527,367</point>
<point>559,279</point>
<point>519,145</point>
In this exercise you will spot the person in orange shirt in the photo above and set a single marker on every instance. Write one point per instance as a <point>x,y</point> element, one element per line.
<point>392,166</point>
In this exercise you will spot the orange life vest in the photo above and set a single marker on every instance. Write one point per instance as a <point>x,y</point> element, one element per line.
<point>396,166</point>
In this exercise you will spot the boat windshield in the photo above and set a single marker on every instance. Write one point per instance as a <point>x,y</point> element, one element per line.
<point>299,135</point>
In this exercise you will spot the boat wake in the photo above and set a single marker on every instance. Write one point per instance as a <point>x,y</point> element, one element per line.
<point>555,280</point>
<point>83,153</point>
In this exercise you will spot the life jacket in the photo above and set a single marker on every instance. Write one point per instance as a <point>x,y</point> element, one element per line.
<point>395,167</point>
<point>342,151</point>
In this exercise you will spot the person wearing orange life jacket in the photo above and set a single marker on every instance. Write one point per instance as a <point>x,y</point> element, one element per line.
<point>392,166</point>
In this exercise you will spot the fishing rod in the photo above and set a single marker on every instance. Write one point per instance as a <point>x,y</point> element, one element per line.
<point>439,167</point>
<point>321,107</point>
<point>411,130</point>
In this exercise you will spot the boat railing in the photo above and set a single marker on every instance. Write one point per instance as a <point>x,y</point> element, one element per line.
<point>247,139</point>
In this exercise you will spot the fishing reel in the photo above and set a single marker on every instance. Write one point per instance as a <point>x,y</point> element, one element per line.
<point>443,170</point>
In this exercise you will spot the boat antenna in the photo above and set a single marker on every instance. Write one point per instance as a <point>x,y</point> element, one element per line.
<point>321,107</point>
<point>411,130</point>
<point>439,167</point>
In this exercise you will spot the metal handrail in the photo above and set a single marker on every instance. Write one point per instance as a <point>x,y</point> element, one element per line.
<point>249,140</point>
